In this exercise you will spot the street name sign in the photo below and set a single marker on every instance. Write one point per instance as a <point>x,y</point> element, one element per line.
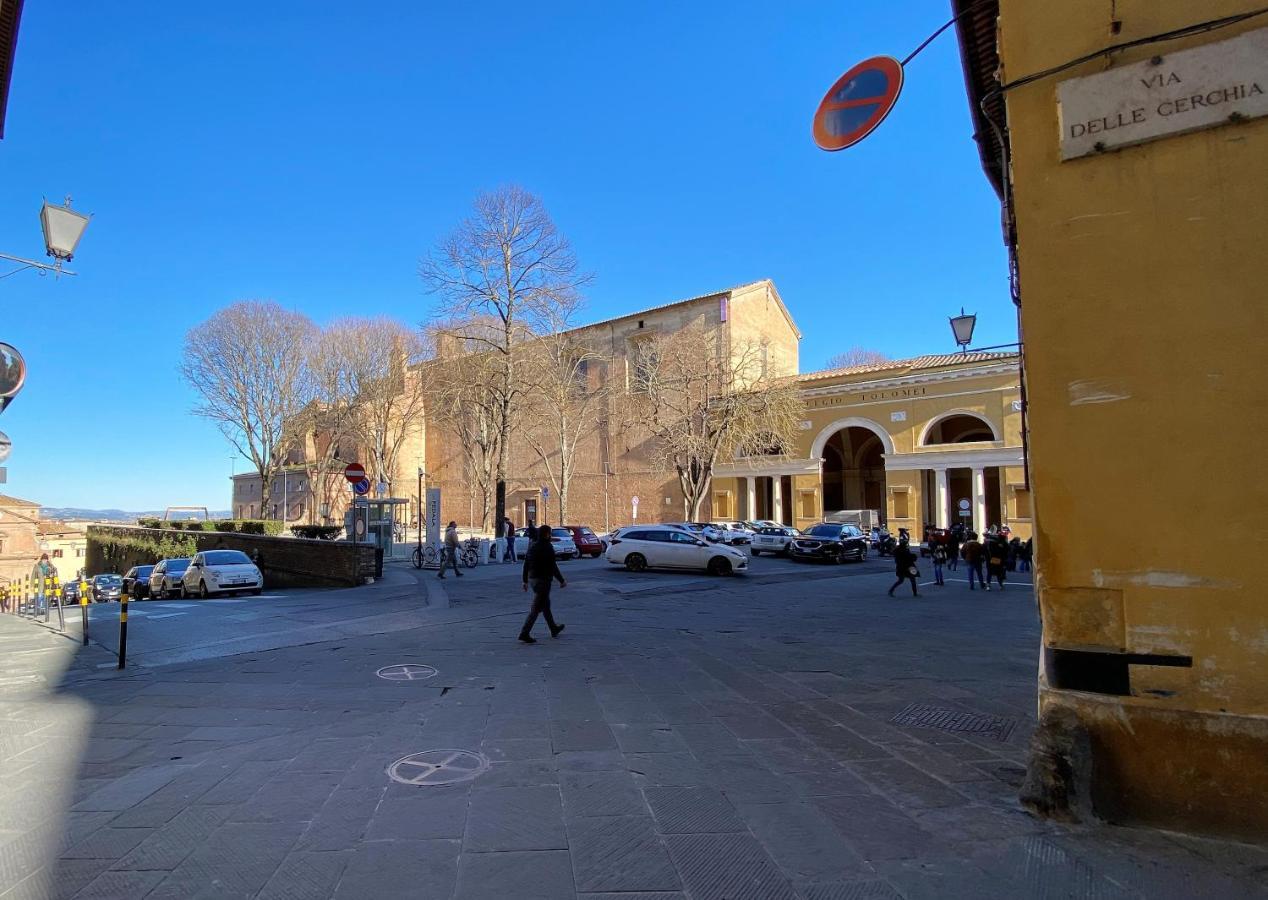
<point>1215,84</point>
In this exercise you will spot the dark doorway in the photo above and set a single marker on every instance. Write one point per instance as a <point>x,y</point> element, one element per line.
<point>854,471</point>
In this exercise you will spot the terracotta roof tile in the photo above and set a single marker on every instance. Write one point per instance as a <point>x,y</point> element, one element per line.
<point>914,364</point>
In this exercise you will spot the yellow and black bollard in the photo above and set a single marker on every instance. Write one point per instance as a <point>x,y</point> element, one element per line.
<point>47,584</point>
<point>123,629</point>
<point>57,595</point>
<point>83,609</point>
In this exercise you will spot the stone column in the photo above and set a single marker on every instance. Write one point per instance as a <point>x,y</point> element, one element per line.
<point>777,498</point>
<point>940,517</point>
<point>979,500</point>
<point>750,510</point>
<point>741,496</point>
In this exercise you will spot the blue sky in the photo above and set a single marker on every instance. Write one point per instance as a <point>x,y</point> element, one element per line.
<point>310,153</point>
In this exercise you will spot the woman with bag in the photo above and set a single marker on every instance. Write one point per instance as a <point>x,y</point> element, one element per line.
<point>905,567</point>
<point>996,559</point>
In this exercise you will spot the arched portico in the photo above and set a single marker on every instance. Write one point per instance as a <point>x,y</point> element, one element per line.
<point>958,426</point>
<point>816,449</point>
<point>853,452</point>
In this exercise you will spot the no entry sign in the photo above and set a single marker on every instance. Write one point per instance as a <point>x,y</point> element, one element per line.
<point>858,102</point>
<point>354,472</point>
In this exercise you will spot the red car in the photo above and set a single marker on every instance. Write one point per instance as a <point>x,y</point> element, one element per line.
<point>588,543</point>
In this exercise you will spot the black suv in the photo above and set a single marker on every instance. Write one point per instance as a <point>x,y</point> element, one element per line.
<point>830,541</point>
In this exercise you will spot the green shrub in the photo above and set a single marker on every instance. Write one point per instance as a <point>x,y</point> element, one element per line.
<point>225,525</point>
<point>317,532</point>
<point>148,522</point>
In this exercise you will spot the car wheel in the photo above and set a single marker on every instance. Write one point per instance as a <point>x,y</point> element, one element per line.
<point>719,566</point>
<point>202,590</point>
<point>636,562</point>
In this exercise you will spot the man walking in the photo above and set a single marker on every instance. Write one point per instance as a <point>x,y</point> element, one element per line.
<point>449,552</point>
<point>905,567</point>
<point>540,568</point>
<point>40,574</point>
<point>973,558</point>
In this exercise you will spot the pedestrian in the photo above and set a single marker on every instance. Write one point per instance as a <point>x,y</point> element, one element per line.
<point>449,552</point>
<point>953,548</point>
<point>905,567</point>
<point>939,560</point>
<point>42,571</point>
<point>1027,554</point>
<point>996,553</point>
<point>1014,553</point>
<point>508,529</point>
<point>541,568</point>
<point>972,554</point>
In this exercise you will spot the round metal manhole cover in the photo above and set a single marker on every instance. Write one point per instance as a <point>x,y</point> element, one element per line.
<point>434,767</point>
<point>406,672</point>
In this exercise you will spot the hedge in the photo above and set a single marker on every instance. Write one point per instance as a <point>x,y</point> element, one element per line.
<point>240,526</point>
<point>319,532</point>
<point>121,551</point>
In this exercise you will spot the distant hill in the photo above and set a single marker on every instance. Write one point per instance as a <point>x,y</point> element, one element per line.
<point>117,515</point>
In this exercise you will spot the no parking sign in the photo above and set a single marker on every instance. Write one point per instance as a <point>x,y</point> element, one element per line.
<point>858,102</point>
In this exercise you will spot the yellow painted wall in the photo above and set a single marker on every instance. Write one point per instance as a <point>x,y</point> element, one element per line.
<point>1143,280</point>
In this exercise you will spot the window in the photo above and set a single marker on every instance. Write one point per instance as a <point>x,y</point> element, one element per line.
<point>722,503</point>
<point>226,558</point>
<point>902,508</point>
<point>57,554</point>
<point>79,552</point>
<point>678,537</point>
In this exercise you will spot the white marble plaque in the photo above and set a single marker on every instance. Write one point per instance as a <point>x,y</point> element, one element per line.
<point>1169,94</point>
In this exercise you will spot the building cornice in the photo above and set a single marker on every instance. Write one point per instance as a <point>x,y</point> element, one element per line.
<point>852,387</point>
<point>980,455</point>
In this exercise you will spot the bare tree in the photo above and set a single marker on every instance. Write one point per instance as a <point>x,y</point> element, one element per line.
<point>700,400</point>
<point>459,403</point>
<point>856,356</point>
<point>385,388</point>
<point>328,425</point>
<point>569,392</point>
<point>248,365</point>
<point>501,276</point>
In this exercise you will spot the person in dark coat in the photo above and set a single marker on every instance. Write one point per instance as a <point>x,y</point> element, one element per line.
<point>540,568</point>
<point>508,531</point>
<point>996,552</point>
<point>905,567</point>
<point>972,553</point>
<point>1027,554</point>
<point>953,548</point>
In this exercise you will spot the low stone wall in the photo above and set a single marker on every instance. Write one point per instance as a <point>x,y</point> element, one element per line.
<point>285,562</point>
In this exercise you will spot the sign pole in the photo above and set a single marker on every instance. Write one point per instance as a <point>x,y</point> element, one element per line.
<point>83,610</point>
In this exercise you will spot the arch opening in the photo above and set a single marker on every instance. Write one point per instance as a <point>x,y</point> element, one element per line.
<point>958,428</point>
<point>854,471</point>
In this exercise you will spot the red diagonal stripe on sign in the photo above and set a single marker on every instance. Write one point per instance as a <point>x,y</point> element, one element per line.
<point>850,104</point>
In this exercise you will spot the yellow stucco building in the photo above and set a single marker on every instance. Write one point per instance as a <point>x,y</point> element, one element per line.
<point>1128,141</point>
<point>928,441</point>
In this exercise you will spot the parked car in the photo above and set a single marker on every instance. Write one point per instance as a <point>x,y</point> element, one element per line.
<point>565,547</point>
<point>221,572</point>
<point>671,547</point>
<point>588,543</point>
<point>136,582</point>
<point>165,578</point>
<point>734,532</point>
<point>705,530</point>
<point>773,539</point>
<point>831,542</point>
<point>103,588</point>
<point>70,592</point>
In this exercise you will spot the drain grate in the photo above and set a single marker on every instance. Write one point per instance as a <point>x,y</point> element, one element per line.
<point>436,767</point>
<point>923,716</point>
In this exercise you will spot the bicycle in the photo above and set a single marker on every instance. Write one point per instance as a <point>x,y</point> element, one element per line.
<point>470,553</point>
<point>425,557</point>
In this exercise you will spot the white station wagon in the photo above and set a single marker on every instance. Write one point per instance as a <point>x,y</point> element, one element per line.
<point>671,547</point>
<point>221,572</point>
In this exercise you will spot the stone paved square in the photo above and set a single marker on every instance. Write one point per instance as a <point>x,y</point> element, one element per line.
<point>702,738</point>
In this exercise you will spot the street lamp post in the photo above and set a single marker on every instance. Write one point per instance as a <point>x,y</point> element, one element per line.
<point>962,327</point>
<point>62,227</point>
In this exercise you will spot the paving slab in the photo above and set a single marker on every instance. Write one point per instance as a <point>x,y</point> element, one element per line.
<point>515,818</point>
<point>619,853</point>
<point>545,875</point>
